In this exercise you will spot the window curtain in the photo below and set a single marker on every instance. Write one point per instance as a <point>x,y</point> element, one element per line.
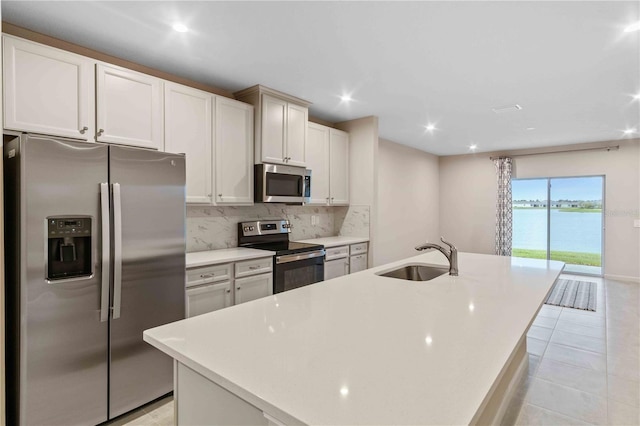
<point>504,212</point>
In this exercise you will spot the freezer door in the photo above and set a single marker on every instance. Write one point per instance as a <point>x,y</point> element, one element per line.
<point>59,343</point>
<point>149,280</point>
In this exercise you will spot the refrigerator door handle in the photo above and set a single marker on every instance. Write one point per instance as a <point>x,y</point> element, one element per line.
<point>117,250</point>
<point>106,236</point>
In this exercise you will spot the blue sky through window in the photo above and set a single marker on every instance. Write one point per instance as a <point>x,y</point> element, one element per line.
<point>582,188</point>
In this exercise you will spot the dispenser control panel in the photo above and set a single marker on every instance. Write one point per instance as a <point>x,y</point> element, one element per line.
<point>69,248</point>
<point>69,227</point>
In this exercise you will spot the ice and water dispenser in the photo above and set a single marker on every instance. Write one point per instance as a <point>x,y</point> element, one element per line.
<point>68,248</point>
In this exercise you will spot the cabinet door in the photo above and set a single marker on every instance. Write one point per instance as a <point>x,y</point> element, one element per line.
<point>47,90</point>
<point>129,107</point>
<point>318,162</point>
<point>187,129</point>
<point>273,115</point>
<point>255,287</point>
<point>336,268</point>
<point>233,152</point>
<point>208,298</point>
<point>357,263</point>
<point>296,141</point>
<point>338,167</point>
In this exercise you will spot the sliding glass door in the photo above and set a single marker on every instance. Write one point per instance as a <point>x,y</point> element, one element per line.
<point>560,219</point>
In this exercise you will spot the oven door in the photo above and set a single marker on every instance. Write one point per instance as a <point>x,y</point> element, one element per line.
<point>297,270</point>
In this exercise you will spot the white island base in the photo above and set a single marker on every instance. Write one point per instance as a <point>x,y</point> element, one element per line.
<point>364,349</point>
<point>199,401</point>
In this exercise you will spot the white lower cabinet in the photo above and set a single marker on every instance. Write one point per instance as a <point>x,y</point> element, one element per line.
<point>336,268</point>
<point>207,298</point>
<point>251,288</point>
<point>214,287</point>
<point>357,263</point>
<point>344,260</point>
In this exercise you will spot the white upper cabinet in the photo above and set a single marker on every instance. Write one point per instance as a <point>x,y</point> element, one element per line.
<point>274,130</point>
<point>280,126</point>
<point>297,118</point>
<point>187,129</point>
<point>328,160</point>
<point>129,107</point>
<point>47,90</point>
<point>338,167</point>
<point>233,152</point>
<point>318,162</point>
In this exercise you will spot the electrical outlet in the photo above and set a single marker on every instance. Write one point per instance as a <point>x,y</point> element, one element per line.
<point>317,220</point>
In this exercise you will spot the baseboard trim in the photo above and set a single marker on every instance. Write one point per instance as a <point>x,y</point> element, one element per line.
<point>623,278</point>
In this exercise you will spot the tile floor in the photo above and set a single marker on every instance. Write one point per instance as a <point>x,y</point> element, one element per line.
<point>584,367</point>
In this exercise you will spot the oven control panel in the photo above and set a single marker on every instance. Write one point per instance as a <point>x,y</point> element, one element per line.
<point>265,227</point>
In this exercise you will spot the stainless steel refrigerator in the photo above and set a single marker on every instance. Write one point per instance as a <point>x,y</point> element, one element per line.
<point>95,254</point>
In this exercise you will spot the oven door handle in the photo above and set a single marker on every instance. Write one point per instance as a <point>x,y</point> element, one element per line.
<point>301,256</point>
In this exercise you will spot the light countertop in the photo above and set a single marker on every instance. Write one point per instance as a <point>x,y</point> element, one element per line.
<point>366,349</point>
<point>336,241</point>
<point>234,254</point>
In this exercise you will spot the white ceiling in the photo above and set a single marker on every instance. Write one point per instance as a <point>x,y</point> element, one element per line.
<point>568,64</point>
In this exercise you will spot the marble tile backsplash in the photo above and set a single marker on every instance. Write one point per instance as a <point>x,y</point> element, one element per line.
<point>211,228</point>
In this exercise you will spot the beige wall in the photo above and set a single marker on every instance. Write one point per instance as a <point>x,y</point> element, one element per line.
<point>407,200</point>
<point>363,176</point>
<point>467,196</point>
<point>467,202</point>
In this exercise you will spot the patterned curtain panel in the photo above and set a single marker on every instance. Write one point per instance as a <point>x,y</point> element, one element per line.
<point>504,212</point>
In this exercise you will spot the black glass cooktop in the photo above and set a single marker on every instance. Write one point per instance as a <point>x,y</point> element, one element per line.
<point>286,247</point>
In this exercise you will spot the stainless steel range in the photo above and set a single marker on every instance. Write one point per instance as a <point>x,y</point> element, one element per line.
<point>295,264</point>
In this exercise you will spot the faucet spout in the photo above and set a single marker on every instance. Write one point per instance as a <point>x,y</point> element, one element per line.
<point>451,254</point>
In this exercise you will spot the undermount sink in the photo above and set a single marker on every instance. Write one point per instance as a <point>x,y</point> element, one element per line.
<point>416,272</point>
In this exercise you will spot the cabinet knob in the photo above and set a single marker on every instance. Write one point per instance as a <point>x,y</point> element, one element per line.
<point>100,132</point>
<point>83,130</point>
<point>228,290</point>
<point>238,288</point>
<point>209,195</point>
<point>219,195</point>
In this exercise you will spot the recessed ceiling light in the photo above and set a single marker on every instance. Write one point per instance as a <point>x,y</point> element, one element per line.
<point>473,147</point>
<point>636,97</point>
<point>508,108</point>
<point>633,27</point>
<point>181,28</point>
<point>629,131</point>
<point>530,128</point>
<point>346,98</point>
<point>430,127</point>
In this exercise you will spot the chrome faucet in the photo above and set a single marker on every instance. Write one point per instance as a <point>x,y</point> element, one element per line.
<point>451,254</point>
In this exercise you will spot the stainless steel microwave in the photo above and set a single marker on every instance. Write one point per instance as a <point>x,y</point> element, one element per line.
<point>276,183</point>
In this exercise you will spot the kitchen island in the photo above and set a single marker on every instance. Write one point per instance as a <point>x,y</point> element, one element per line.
<point>364,349</point>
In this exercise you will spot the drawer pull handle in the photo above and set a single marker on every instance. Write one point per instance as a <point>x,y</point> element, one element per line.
<point>253,268</point>
<point>207,275</point>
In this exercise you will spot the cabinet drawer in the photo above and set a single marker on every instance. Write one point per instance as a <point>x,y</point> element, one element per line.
<point>254,266</point>
<point>358,248</point>
<point>208,274</point>
<point>337,252</point>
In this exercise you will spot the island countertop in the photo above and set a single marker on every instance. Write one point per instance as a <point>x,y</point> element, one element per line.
<point>366,349</point>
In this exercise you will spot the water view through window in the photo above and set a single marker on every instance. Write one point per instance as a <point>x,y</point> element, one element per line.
<point>559,219</point>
